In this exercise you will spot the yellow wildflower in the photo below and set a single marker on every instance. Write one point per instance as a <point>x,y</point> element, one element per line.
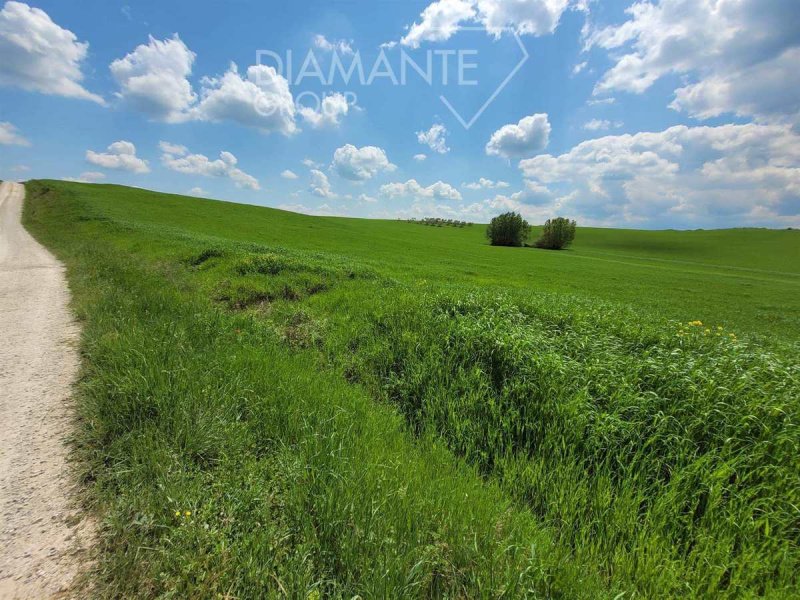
<point>188,513</point>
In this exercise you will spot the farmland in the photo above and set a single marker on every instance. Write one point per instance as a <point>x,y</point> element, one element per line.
<point>276,404</point>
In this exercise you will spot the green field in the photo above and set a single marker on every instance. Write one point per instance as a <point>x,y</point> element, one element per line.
<point>281,405</point>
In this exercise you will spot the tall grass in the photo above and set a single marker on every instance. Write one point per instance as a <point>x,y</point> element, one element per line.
<point>665,455</point>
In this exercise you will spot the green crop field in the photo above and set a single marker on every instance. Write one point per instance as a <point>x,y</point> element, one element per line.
<point>279,405</point>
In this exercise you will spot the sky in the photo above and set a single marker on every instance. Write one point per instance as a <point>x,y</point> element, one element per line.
<point>651,114</point>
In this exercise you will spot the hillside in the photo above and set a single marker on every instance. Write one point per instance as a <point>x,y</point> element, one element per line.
<point>279,404</point>
<point>745,278</point>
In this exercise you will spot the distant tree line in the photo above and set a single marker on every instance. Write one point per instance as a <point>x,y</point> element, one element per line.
<point>436,222</point>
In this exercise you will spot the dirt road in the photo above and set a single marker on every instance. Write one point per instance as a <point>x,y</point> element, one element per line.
<point>41,546</point>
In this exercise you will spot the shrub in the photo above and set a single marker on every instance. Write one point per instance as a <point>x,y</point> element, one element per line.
<point>508,229</point>
<point>557,234</point>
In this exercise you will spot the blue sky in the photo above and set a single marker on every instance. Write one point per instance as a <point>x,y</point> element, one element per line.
<point>669,113</point>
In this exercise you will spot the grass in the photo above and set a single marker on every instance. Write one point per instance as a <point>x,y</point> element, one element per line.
<point>383,409</point>
<point>743,278</point>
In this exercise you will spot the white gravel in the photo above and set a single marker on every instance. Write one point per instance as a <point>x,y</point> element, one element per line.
<point>43,534</point>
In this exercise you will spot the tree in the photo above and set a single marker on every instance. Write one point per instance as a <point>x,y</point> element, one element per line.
<point>557,234</point>
<point>508,229</point>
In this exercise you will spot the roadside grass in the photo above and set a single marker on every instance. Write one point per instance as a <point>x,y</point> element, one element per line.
<point>341,419</point>
<point>664,455</point>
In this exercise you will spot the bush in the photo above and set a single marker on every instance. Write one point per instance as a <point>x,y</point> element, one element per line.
<point>508,229</point>
<point>557,234</point>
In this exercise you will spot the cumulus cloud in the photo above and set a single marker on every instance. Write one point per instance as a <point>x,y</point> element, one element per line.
<point>534,17</point>
<point>485,184</point>
<point>360,164</point>
<point>199,164</point>
<point>434,138</point>
<point>154,79</point>
<point>170,148</point>
<point>40,56</point>
<point>9,136</point>
<point>600,124</point>
<point>760,90</point>
<point>529,136</point>
<point>420,157</point>
<point>260,99</point>
<point>119,155</point>
<point>440,20</point>
<point>413,190</point>
<point>684,176</point>
<point>343,47</point>
<point>198,191</point>
<point>579,67</point>
<point>288,174</point>
<point>320,185</point>
<point>333,108</point>
<point>743,55</point>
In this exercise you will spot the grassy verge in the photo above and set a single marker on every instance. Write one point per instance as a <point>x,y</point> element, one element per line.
<point>226,464</point>
<point>338,426</point>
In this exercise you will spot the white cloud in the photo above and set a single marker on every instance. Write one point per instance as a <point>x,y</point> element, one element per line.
<point>198,191</point>
<point>412,189</point>
<point>600,101</point>
<point>682,176</point>
<point>119,155</point>
<point>175,149</point>
<point>320,186</point>
<point>332,110</point>
<point>600,124</point>
<point>311,164</point>
<point>260,99</point>
<point>87,177</point>
<point>343,47</point>
<point>198,164</point>
<point>288,174</point>
<point>434,138</point>
<point>321,211</point>
<point>485,184</point>
<point>40,56</point>
<point>579,67</point>
<point>529,136</point>
<point>367,199</point>
<point>360,164</point>
<point>534,17</point>
<point>742,54</point>
<point>154,79</point>
<point>420,157</point>
<point>759,90</point>
<point>442,19</point>
<point>439,21</point>
<point>9,135</point>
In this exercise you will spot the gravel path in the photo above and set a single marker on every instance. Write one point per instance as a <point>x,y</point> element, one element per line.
<point>42,535</point>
